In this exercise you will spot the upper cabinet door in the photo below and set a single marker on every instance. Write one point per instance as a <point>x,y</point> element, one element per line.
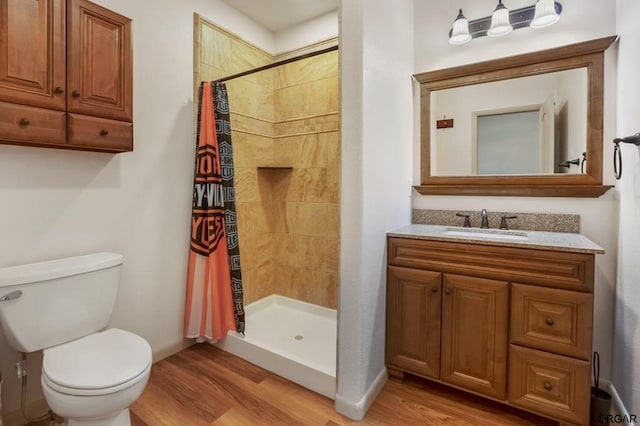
<point>32,52</point>
<point>99,62</point>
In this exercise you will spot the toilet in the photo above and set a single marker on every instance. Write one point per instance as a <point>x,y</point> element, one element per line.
<point>90,375</point>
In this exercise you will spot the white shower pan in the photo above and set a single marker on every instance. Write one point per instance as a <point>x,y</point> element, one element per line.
<point>294,339</point>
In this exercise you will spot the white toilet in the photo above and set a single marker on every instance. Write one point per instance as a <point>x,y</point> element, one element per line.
<point>90,377</point>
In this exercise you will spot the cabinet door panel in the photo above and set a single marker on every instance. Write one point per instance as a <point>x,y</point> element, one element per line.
<point>99,70</point>
<point>474,334</point>
<point>32,52</point>
<point>413,320</point>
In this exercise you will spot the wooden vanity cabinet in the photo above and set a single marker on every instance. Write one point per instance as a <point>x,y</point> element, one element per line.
<point>413,321</point>
<point>99,68</point>
<point>32,53</point>
<point>512,324</point>
<point>474,334</point>
<point>448,327</point>
<point>59,57</point>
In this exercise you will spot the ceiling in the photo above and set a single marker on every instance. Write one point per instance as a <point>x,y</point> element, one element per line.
<point>277,15</point>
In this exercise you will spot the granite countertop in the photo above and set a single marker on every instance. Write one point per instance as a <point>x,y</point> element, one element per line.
<point>559,241</point>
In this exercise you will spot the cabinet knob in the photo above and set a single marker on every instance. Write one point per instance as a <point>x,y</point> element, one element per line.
<point>548,386</point>
<point>447,291</point>
<point>104,132</point>
<point>58,90</point>
<point>75,94</point>
<point>24,122</point>
<point>549,321</point>
<point>434,289</point>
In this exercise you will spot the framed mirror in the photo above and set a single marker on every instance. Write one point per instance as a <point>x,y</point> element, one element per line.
<point>526,125</point>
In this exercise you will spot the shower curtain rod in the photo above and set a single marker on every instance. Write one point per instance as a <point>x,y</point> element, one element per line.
<point>277,64</point>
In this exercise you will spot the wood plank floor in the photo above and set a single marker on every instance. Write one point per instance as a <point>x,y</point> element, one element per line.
<point>203,385</point>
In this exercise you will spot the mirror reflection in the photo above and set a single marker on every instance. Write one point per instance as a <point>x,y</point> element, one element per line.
<point>521,126</point>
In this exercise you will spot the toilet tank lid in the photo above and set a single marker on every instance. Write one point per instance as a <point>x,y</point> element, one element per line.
<point>52,269</point>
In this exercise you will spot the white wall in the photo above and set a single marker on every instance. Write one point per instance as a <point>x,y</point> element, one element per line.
<point>63,203</point>
<point>626,349</point>
<point>377,128</point>
<point>581,20</point>
<point>318,29</point>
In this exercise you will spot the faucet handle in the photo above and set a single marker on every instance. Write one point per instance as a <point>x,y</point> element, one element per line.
<point>467,222</point>
<point>503,221</point>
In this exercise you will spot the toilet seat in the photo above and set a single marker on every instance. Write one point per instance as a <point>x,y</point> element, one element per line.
<point>97,364</point>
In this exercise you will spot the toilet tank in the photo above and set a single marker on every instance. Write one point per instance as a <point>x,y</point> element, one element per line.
<point>48,303</point>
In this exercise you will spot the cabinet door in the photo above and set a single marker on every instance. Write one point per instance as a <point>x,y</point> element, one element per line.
<point>32,52</point>
<point>474,334</point>
<point>99,62</point>
<point>413,320</point>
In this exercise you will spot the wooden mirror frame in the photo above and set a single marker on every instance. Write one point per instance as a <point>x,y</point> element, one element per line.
<point>588,54</point>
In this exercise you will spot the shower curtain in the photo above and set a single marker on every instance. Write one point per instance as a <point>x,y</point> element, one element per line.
<point>214,302</point>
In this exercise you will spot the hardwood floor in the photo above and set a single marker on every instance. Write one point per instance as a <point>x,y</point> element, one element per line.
<point>203,385</point>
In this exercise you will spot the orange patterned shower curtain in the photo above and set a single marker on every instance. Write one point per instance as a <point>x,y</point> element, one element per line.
<point>214,283</point>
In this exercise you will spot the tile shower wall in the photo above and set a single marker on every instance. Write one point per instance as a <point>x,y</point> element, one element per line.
<point>306,198</point>
<point>287,116</point>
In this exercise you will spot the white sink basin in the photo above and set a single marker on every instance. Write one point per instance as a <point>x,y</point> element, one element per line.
<point>490,234</point>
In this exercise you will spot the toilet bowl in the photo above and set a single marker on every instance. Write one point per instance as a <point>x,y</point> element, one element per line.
<point>90,375</point>
<point>94,379</point>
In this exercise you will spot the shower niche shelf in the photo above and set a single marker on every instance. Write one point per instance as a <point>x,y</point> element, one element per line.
<point>275,167</point>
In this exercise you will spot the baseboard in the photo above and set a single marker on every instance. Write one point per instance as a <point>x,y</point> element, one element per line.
<point>617,406</point>
<point>172,349</point>
<point>357,410</point>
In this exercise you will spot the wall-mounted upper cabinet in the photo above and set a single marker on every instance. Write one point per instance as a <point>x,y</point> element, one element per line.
<point>69,57</point>
<point>32,53</point>
<point>99,71</point>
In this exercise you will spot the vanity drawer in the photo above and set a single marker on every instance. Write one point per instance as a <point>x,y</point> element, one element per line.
<point>552,385</point>
<point>100,133</point>
<point>559,321</point>
<point>29,125</point>
<point>572,271</point>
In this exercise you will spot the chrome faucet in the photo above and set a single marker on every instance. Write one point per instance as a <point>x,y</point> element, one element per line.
<point>484,220</point>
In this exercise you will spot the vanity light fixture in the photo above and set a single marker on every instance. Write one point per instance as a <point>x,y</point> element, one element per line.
<point>543,14</point>
<point>500,24</point>
<point>460,31</point>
